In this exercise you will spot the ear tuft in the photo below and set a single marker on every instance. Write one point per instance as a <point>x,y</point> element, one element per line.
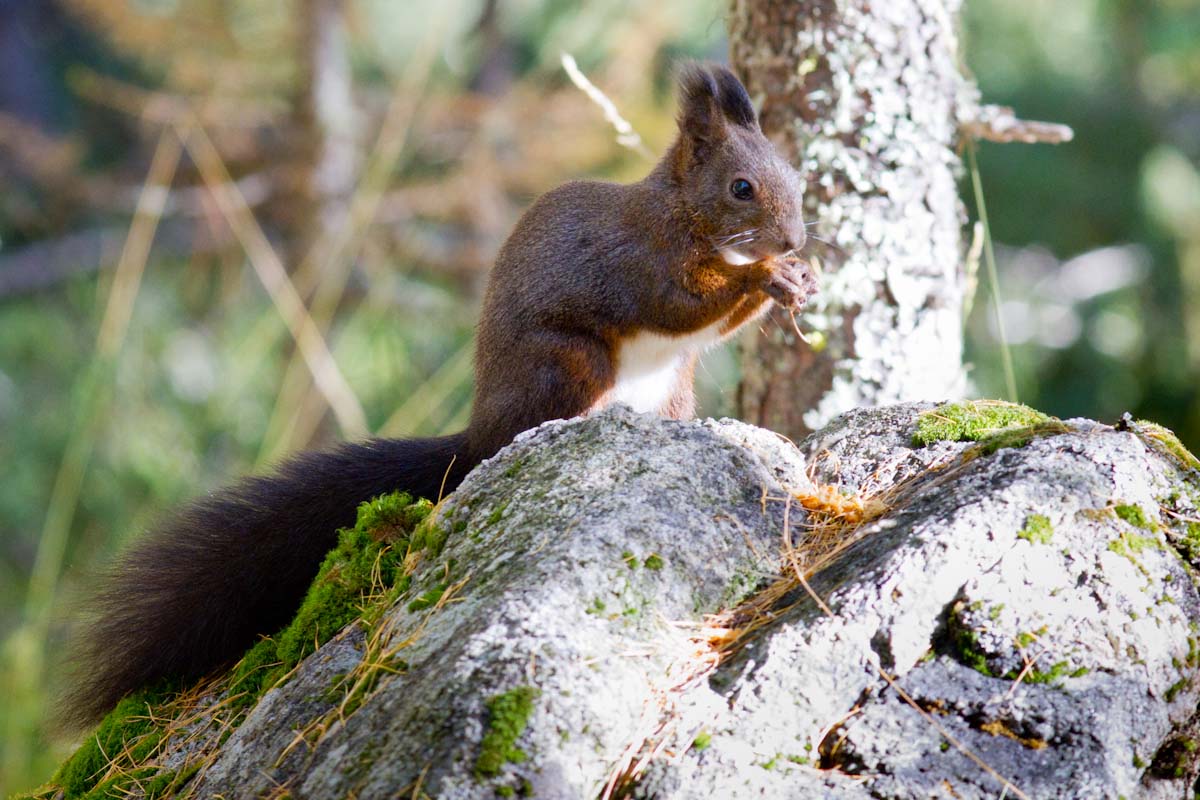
<point>710,96</point>
<point>734,100</point>
<point>698,91</point>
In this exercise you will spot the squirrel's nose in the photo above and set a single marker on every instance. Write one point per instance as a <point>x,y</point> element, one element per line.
<point>795,238</point>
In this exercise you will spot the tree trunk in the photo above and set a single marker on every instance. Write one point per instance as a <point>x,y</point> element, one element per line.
<point>864,98</point>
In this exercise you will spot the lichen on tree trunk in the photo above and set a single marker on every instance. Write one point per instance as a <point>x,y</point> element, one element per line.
<point>864,98</point>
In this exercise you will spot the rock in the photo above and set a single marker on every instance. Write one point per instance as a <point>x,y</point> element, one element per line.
<point>612,608</point>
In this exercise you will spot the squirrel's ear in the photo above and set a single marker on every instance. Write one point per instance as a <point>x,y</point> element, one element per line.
<point>700,120</point>
<point>711,98</point>
<point>734,100</point>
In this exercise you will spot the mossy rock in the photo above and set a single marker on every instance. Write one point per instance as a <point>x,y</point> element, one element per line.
<point>357,579</point>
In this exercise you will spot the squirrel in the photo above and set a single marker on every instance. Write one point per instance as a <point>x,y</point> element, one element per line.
<point>602,294</point>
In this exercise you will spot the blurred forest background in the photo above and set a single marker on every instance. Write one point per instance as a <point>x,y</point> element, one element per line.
<point>380,151</point>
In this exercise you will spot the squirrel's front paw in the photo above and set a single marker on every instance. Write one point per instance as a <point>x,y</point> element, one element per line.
<point>792,282</point>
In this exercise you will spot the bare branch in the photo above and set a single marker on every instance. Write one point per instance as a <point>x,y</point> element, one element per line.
<point>1000,124</point>
<point>626,135</point>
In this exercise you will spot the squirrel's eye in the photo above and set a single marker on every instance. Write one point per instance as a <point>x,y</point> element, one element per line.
<point>741,189</point>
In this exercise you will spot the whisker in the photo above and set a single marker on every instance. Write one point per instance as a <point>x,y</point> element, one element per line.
<point>827,243</point>
<point>739,242</point>
<point>734,245</point>
<point>721,240</point>
<point>733,242</point>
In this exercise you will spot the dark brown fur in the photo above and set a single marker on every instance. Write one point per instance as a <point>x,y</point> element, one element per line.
<point>587,267</point>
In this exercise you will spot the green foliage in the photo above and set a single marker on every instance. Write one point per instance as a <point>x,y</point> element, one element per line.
<point>1122,195</point>
<point>157,393</point>
<point>508,715</point>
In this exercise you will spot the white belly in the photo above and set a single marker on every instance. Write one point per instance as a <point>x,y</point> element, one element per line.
<point>648,364</point>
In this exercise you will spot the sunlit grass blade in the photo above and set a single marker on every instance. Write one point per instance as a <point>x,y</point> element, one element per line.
<point>989,254</point>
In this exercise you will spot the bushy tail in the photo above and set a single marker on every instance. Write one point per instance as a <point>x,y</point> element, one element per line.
<point>196,592</point>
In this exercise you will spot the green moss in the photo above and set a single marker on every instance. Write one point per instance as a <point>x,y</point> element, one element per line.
<point>120,786</point>
<point>973,421</point>
<point>966,647</point>
<point>630,559</point>
<point>430,537</point>
<point>1174,689</point>
<point>1052,675</point>
<point>1175,758</point>
<point>597,607</point>
<point>992,423</point>
<point>167,782</point>
<point>1019,437</point>
<point>160,783</point>
<point>1037,529</point>
<point>1134,515</point>
<point>508,715</point>
<point>365,568</point>
<point>1167,441</point>
<point>496,514</point>
<point>654,561</point>
<point>1131,544</point>
<point>740,586</point>
<point>702,741</point>
<point>1190,545</point>
<point>1025,639</point>
<point>373,550</point>
<point>128,728</point>
<point>506,791</point>
<point>428,598</point>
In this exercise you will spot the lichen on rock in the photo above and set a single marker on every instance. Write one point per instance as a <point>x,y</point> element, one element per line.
<point>627,602</point>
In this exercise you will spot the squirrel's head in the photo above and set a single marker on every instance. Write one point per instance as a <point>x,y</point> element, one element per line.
<point>742,196</point>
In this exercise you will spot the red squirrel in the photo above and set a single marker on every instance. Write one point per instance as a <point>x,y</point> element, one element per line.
<point>603,293</point>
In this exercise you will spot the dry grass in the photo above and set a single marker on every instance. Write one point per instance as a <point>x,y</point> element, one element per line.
<point>830,519</point>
